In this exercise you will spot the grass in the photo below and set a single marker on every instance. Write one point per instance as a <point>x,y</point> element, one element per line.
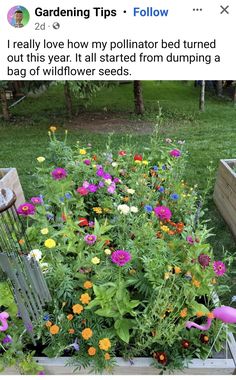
<point>209,136</point>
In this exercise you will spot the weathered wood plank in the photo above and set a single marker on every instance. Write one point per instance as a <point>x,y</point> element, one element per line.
<point>225,210</point>
<point>11,180</point>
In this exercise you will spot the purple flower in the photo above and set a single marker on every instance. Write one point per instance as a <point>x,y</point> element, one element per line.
<point>204,260</point>
<point>175,153</point>
<point>50,216</point>
<point>190,239</point>
<point>120,257</point>
<point>58,174</point>
<point>116,180</point>
<point>26,209</point>
<point>107,176</point>
<point>7,339</point>
<point>29,327</point>
<point>100,172</point>
<point>90,239</point>
<point>101,184</point>
<point>37,200</point>
<point>41,373</point>
<point>75,345</point>
<point>92,188</point>
<point>86,184</point>
<point>87,162</point>
<point>162,212</point>
<point>68,195</point>
<point>91,223</point>
<point>111,189</point>
<point>219,268</point>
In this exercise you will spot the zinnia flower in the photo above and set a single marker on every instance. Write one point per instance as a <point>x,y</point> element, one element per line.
<point>219,268</point>
<point>87,333</point>
<point>83,222</point>
<point>175,153</point>
<point>58,174</point>
<point>190,240</point>
<point>161,357</point>
<point>120,257</point>
<point>185,343</point>
<point>54,329</point>
<point>134,209</point>
<point>50,243</point>
<point>85,298</point>
<point>95,260</point>
<point>82,152</point>
<point>90,239</point>
<point>104,344</point>
<point>92,351</point>
<point>123,209</point>
<point>92,188</point>
<point>204,260</point>
<point>87,162</point>
<point>7,339</point>
<point>138,157</point>
<point>162,212</point>
<point>88,285</point>
<point>36,254</point>
<point>40,159</point>
<point>77,309</point>
<point>44,231</point>
<point>26,209</point>
<point>36,200</point>
<point>122,153</point>
<point>82,190</point>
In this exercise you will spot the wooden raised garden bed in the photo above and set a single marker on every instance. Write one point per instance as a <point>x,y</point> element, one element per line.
<point>225,192</point>
<point>9,178</point>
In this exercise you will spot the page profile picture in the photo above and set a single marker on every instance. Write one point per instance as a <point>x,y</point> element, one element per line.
<point>18,16</point>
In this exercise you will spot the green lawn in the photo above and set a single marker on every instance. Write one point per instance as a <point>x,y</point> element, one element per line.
<point>209,136</point>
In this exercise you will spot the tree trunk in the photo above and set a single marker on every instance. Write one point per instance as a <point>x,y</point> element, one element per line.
<point>68,98</point>
<point>202,97</point>
<point>138,98</point>
<point>234,96</point>
<point>5,110</point>
<point>219,87</point>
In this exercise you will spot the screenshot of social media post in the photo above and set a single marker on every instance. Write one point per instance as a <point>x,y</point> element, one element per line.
<point>117,188</point>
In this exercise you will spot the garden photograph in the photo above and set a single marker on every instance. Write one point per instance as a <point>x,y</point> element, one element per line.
<point>117,227</point>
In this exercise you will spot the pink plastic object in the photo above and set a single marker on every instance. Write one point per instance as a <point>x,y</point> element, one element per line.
<point>3,319</point>
<point>226,314</point>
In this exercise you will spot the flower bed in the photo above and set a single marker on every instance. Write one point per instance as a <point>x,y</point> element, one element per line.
<point>125,254</point>
<point>225,192</point>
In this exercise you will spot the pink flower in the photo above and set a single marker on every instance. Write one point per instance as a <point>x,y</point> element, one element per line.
<point>219,268</point>
<point>175,153</point>
<point>162,212</point>
<point>90,239</point>
<point>37,200</point>
<point>111,189</point>
<point>82,191</point>
<point>190,239</point>
<point>122,153</point>
<point>120,257</point>
<point>58,174</point>
<point>92,188</point>
<point>204,260</point>
<point>26,209</point>
<point>87,162</point>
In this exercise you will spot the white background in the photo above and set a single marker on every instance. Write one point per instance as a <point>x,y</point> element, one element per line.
<point>181,23</point>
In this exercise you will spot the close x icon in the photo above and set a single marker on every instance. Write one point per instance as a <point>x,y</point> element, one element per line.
<point>224,9</point>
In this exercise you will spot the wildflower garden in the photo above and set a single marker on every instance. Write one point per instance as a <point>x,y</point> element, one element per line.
<point>123,244</point>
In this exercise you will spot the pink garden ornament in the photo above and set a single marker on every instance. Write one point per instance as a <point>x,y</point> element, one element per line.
<point>3,320</point>
<point>226,314</point>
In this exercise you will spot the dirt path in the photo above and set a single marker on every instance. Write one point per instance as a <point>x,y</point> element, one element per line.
<point>110,122</point>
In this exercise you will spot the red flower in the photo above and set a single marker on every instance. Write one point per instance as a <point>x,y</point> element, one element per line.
<point>138,157</point>
<point>82,191</point>
<point>83,222</point>
<point>122,153</point>
<point>185,343</point>
<point>63,217</point>
<point>161,357</point>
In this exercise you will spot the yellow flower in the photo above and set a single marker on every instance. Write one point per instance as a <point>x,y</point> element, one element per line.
<point>95,260</point>
<point>145,162</point>
<point>92,351</point>
<point>88,285</point>
<point>106,210</point>
<point>165,228</point>
<point>98,210</point>
<point>85,298</point>
<point>177,270</point>
<point>87,333</point>
<point>44,231</point>
<point>40,159</point>
<point>50,243</point>
<point>167,275</point>
<point>82,151</point>
<point>77,309</point>
<point>53,129</point>
<point>107,251</point>
<point>104,344</point>
<point>184,312</point>
<point>54,329</point>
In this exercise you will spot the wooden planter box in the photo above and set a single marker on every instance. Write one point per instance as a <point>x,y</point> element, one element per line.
<point>9,178</point>
<point>142,366</point>
<point>225,192</point>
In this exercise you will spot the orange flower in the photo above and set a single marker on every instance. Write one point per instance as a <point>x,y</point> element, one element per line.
<point>87,333</point>
<point>85,298</point>
<point>71,331</point>
<point>159,235</point>
<point>70,317</point>
<point>77,309</point>
<point>177,270</point>
<point>48,324</point>
<point>104,344</point>
<point>184,312</point>
<point>54,329</point>
<point>196,283</point>
<point>53,129</point>
<point>107,356</point>
<point>21,241</point>
<point>199,313</point>
<point>210,315</point>
<point>171,233</point>
<point>92,351</point>
<point>88,285</point>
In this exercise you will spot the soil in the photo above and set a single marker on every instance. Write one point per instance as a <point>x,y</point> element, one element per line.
<point>107,122</point>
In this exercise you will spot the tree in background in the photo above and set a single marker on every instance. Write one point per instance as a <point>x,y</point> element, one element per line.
<point>4,103</point>
<point>202,96</point>
<point>138,98</point>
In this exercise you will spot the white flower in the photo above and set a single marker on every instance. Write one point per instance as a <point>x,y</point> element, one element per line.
<point>134,209</point>
<point>44,267</point>
<point>107,251</point>
<point>130,191</point>
<point>114,164</point>
<point>108,181</point>
<point>36,254</point>
<point>124,209</point>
